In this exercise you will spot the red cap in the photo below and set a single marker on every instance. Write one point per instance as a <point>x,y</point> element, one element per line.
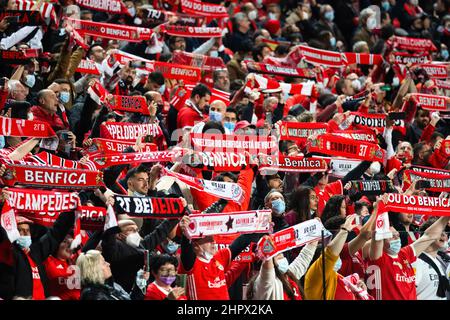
<point>272,26</point>
<point>243,124</point>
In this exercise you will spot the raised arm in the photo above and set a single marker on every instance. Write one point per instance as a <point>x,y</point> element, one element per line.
<point>364,235</point>
<point>432,234</point>
<point>376,246</point>
<point>337,244</point>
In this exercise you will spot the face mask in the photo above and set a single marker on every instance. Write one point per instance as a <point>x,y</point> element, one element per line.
<point>30,116</point>
<point>338,265</point>
<point>356,84</point>
<point>2,142</point>
<point>171,247</point>
<point>333,42</point>
<point>394,247</point>
<point>371,23</point>
<point>329,15</point>
<point>133,239</point>
<point>229,125</point>
<point>64,97</point>
<point>283,265</point>
<point>30,80</point>
<point>24,241</point>
<point>414,2</point>
<point>137,21</point>
<point>272,16</point>
<point>137,194</point>
<point>167,280</point>
<point>214,53</point>
<point>444,248</point>
<point>444,54</point>
<point>132,11</point>
<point>215,116</point>
<point>278,206</point>
<point>252,15</point>
<point>386,5</point>
<point>207,255</point>
<point>162,89</point>
<point>395,82</point>
<point>375,168</point>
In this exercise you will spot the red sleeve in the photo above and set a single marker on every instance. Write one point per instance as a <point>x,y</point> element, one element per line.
<point>184,119</point>
<point>104,133</point>
<point>224,257</point>
<point>153,293</point>
<point>409,107</point>
<point>235,270</point>
<point>408,253</point>
<point>438,158</point>
<point>332,126</point>
<point>427,132</point>
<point>245,181</point>
<point>334,188</point>
<point>363,108</point>
<point>327,112</point>
<point>393,163</point>
<point>3,97</point>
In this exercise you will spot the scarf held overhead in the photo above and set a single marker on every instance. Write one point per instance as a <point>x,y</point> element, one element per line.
<point>35,200</point>
<point>430,206</point>
<point>114,159</point>
<point>10,127</point>
<point>100,145</point>
<point>129,131</point>
<point>149,207</point>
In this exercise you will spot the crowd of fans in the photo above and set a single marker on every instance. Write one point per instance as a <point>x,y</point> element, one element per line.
<point>73,80</point>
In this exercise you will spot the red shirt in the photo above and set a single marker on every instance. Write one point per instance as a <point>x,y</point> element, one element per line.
<point>206,280</point>
<point>352,264</point>
<point>330,190</point>
<point>38,288</point>
<point>155,292</point>
<point>294,286</point>
<point>52,119</point>
<point>342,292</point>
<point>59,273</point>
<point>188,117</point>
<point>391,278</point>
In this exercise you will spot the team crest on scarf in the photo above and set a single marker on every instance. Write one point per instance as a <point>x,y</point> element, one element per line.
<point>93,148</point>
<point>9,174</point>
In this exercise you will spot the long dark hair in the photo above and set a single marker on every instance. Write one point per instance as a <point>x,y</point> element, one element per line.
<point>299,202</point>
<point>332,208</point>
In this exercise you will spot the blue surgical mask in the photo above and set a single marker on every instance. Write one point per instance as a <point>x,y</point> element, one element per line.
<point>64,97</point>
<point>329,15</point>
<point>386,5</point>
<point>214,53</point>
<point>2,142</point>
<point>395,82</point>
<point>215,116</point>
<point>171,247</point>
<point>278,206</point>
<point>24,241</point>
<point>229,125</point>
<point>394,246</point>
<point>333,42</point>
<point>283,265</point>
<point>338,265</point>
<point>132,11</point>
<point>30,80</point>
<point>162,89</point>
<point>444,54</point>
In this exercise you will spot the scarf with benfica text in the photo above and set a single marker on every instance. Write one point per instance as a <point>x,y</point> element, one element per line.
<point>149,207</point>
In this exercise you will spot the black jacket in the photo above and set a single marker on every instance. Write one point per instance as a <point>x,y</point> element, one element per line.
<point>126,260</point>
<point>108,291</point>
<point>16,277</point>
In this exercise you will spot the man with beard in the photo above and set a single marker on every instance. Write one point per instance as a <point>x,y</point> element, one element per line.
<point>125,84</point>
<point>415,130</point>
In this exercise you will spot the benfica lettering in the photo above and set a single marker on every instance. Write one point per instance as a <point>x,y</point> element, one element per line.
<point>45,177</point>
<point>146,207</point>
<point>112,6</point>
<point>124,131</point>
<point>223,159</point>
<point>293,164</point>
<point>205,9</point>
<point>436,71</point>
<point>431,101</point>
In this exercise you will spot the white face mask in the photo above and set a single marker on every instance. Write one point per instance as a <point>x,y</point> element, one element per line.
<point>214,53</point>
<point>371,23</point>
<point>395,82</point>
<point>133,239</point>
<point>207,255</point>
<point>137,21</point>
<point>252,15</point>
<point>375,168</point>
<point>444,248</point>
<point>272,16</point>
<point>338,265</point>
<point>132,11</point>
<point>356,84</point>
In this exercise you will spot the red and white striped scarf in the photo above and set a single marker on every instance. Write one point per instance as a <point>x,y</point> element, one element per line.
<point>47,9</point>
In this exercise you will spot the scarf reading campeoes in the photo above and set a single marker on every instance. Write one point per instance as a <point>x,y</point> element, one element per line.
<point>300,131</point>
<point>257,67</point>
<point>129,131</point>
<point>10,127</point>
<point>225,190</point>
<point>114,159</point>
<point>198,7</point>
<point>430,206</point>
<point>439,182</point>
<point>372,187</point>
<point>110,6</point>
<point>431,102</point>
<point>412,44</point>
<point>290,238</point>
<point>193,32</point>
<point>269,164</point>
<point>35,200</point>
<point>202,225</point>
<point>51,177</point>
<point>333,145</point>
<point>111,31</point>
<point>100,145</point>
<point>149,207</point>
<point>322,57</point>
<point>234,143</point>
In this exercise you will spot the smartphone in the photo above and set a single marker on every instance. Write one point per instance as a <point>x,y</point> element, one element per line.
<point>146,261</point>
<point>423,184</point>
<point>386,87</point>
<point>180,281</point>
<point>65,136</point>
<point>137,64</point>
<point>396,115</point>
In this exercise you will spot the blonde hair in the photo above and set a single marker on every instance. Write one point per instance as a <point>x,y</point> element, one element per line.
<point>90,267</point>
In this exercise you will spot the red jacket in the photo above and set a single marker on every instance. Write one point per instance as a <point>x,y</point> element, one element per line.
<point>52,119</point>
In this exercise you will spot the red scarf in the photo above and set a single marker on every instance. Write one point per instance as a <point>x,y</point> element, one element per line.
<point>438,182</point>
<point>300,131</point>
<point>218,161</point>
<point>337,146</point>
<point>149,207</point>
<point>279,70</point>
<point>431,102</point>
<point>322,57</point>
<point>360,135</point>
<point>203,9</point>
<point>110,6</point>
<point>362,58</point>
<point>442,84</point>
<point>128,131</point>
<point>282,163</point>
<point>193,32</point>
<point>111,31</point>
<point>413,44</point>
<point>436,71</point>
<point>87,67</point>
<point>114,146</point>
<point>51,177</point>
<point>406,58</point>
<point>10,127</point>
<point>429,206</point>
<point>35,200</point>
<point>134,104</point>
<point>114,159</point>
<point>26,17</point>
